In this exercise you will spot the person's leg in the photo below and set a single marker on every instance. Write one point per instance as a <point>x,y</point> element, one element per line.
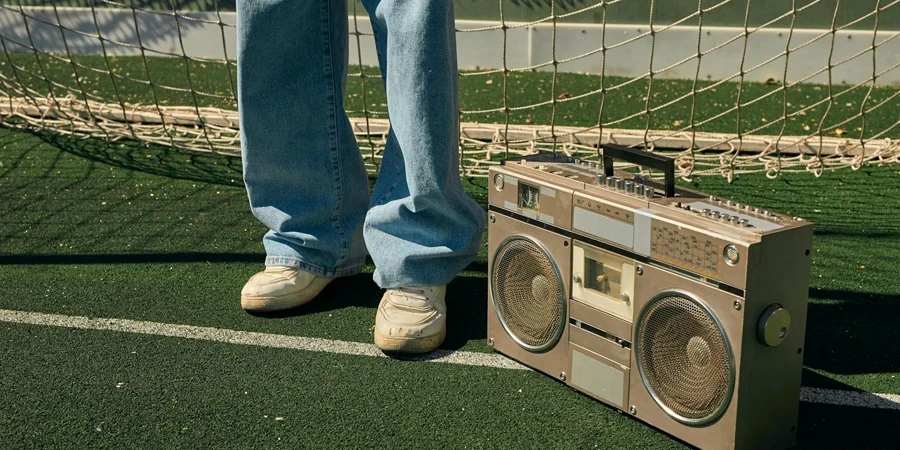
<point>422,228</point>
<point>303,171</point>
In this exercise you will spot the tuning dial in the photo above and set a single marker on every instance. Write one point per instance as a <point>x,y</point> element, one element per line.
<point>726,217</point>
<point>649,192</point>
<point>707,212</point>
<point>716,214</point>
<point>629,187</point>
<point>774,326</point>
<point>734,220</point>
<point>743,223</point>
<point>611,182</point>
<point>620,184</point>
<point>601,179</point>
<point>639,190</point>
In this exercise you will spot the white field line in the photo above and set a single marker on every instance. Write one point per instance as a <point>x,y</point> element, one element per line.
<point>807,394</point>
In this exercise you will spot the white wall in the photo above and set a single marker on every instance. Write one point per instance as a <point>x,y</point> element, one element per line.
<point>526,47</point>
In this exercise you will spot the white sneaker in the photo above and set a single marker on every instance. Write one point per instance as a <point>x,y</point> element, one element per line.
<point>281,287</point>
<point>411,319</point>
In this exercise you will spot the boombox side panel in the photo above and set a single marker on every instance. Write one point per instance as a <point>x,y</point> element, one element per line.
<point>555,360</point>
<point>771,375</point>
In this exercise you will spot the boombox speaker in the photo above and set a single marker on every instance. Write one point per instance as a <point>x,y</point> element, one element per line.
<point>682,309</point>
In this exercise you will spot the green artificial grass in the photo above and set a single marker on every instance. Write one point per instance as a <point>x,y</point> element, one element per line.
<point>146,391</point>
<point>69,388</point>
<point>154,234</point>
<point>213,86</point>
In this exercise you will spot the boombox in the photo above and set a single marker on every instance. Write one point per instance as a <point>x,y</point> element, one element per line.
<point>682,309</point>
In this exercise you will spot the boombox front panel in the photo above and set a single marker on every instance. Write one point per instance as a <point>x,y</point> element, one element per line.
<point>667,300</point>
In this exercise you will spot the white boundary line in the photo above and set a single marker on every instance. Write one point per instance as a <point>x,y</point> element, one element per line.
<point>807,394</point>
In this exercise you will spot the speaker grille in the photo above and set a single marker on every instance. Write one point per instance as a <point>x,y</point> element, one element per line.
<point>528,293</point>
<point>684,358</point>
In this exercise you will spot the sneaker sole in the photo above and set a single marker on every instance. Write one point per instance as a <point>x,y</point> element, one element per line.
<point>282,302</point>
<point>410,345</point>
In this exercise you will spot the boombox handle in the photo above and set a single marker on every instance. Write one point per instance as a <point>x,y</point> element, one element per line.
<point>641,158</point>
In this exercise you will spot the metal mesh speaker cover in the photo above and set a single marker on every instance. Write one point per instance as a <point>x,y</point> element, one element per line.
<point>528,293</point>
<point>684,358</point>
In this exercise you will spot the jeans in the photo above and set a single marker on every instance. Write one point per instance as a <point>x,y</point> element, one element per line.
<point>303,170</point>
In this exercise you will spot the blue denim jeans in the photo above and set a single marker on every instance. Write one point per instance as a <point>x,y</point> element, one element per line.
<point>303,170</point>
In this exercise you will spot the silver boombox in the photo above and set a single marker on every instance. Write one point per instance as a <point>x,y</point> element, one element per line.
<point>685,310</point>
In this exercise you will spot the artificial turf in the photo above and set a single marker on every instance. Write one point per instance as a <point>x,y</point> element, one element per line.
<point>186,82</point>
<point>122,230</point>
<point>90,389</point>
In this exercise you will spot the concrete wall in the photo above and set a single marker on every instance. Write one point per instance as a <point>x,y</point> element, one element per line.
<point>526,46</point>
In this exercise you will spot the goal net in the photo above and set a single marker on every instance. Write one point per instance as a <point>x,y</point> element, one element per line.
<point>725,86</point>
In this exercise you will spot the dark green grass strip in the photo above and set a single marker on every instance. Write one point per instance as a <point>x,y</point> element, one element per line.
<point>61,390</point>
<point>77,388</point>
<point>485,92</point>
<point>153,234</point>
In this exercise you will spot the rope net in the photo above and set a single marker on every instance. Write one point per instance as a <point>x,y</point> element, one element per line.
<point>133,69</point>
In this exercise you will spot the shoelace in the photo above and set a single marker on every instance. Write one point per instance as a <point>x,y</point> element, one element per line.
<point>408,294</point>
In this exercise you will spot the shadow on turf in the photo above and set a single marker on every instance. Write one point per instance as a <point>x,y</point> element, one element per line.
<point>852,332</point>
<point>133,258</point>
<point>153,159</point>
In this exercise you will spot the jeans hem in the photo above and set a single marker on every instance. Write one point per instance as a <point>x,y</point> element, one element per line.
<point>412,281</point>
<point>315,270</point>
